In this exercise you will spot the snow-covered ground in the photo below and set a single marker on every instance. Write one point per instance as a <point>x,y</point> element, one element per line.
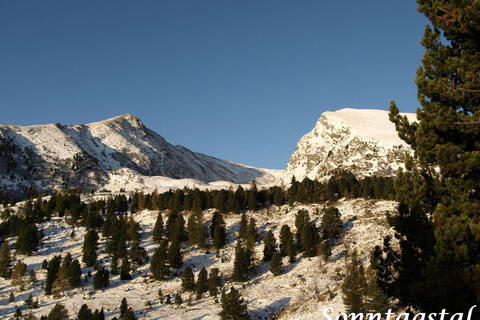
<point>307,286</point>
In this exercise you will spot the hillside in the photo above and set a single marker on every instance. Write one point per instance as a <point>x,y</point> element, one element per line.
<point>301,292</point>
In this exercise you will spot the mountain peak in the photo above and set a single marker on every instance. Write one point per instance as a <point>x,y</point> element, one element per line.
<point>362,141</point>
<point>127,117</point>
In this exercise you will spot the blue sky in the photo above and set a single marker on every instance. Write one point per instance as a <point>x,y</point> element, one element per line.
<point>239,80</point>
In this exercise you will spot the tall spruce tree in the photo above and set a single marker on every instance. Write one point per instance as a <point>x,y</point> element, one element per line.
<point>354,285</point>
<point>276,265</point>
<point>158,264</point>
<point>438,265</point>
<point>270,246</point>
<point>90,248</point>
<point>5,260</point>
<point>202,283</point>
<point>188,279</point>
<point>52,271</point>
<point>242,262</point>
<point>158,229</point>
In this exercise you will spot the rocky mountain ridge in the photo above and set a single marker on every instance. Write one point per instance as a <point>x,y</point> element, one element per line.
<point>57,156</point>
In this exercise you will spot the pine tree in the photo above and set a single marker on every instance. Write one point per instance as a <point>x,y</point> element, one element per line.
<point>90,248</point>
<point>285,235</point>
<point>174,255</point>
<point>354,285</point>
<point>192,229</point>
<point>218,231</point>
<point>85,313</point>
<point>243,228</point>
<point>101,279</point>
<point>59,312</point>
<point>188,281</point>
<point>270,246</point>
<point>242,263</point>
<point>331,222</point>
<point>276,265</point>
<point>74,274</point>
<point>202,282</point>
<point>158,265</point>
<point>125,269</point>
<point>233,306</point>
<point>178,299</point>
<point>214,282</point>
<point>133,233</point>
<point>18,274</point>
<point>310,239</point>
<point>123,307</point>
<point>27,240</point>
<point>252,234</point>
<point>437,220</point>
<point>61,280</point>
<point>52,271</point>
<point>5,260</point>
<point>158,229</point>
<point>301,219</point>
<point>99,315</point>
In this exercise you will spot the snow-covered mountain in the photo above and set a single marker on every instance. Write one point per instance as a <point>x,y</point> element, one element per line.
<point>120,150</point>
<point>361,141</point>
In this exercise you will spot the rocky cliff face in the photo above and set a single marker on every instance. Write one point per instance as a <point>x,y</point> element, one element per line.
<point>57,156</point>
<point>361,141</point>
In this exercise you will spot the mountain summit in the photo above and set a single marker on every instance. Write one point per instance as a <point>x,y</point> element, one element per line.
<point>57,156</point>
<point>358,140</point>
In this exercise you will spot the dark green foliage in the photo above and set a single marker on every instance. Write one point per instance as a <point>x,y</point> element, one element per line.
<point>178,299</point>
<point>133,233</point>
<point>252,234</point>
<point>59,312</point>
<point>158,229</point>
<point>74,274</point>
<point>174,255</point>
<point>331,223</point>
<point>354,286</point>
<point>233,306</point>
<point>99,315</point>
<point>101,279</point>
<point>214,282</point>
<point>188,280</point>
<point>85,313</point>
<point>218,231</point>
<point>437,222</point>
<point>125,270</point>
<point>285,235</point>
<point>90,248</point>
<point>5,260</point>
<point>270,246</point>
<point>242,263</point>
<point>129,315</point>
<point>202,282</point>
<point>137,254</point>
<point>53,267</point>
<point>310,239</point>
<point>45,264</point>
<point>158,265</point>
<point>243,228</point>
<point>301,218</point>
<point>27,240</point>
<point>123,307</point>
<point>276,265</point>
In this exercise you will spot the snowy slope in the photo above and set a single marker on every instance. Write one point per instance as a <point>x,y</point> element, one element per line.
<point>306,287</point>
<point>63,156</point>
<point>362,141</point>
